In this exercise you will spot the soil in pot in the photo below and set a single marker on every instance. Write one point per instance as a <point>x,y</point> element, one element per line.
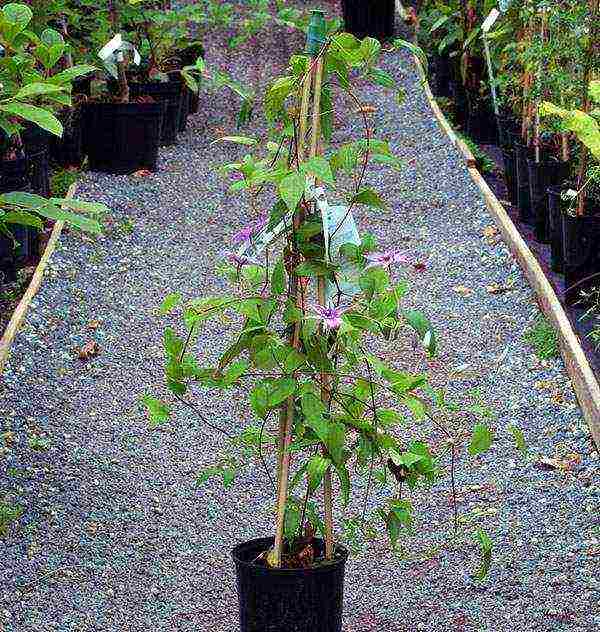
<point>288,599</point>
<point>523,193</point>
<point>168,92</point>
<point>581,239</point>
<point>543,175</point>
<point>123,137</point>
<point>375,18</point>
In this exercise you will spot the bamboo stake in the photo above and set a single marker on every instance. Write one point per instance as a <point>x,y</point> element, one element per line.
<point>286,417</point>
<point>325,381</point>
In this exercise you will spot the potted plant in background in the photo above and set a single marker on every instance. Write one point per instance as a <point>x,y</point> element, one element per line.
<point>309,293</point>
<point>375,19</point>
<point>29,95</point>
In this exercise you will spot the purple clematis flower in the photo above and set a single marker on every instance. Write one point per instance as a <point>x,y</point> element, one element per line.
<point>245,234</point>
<point>385,259</point>
<point>238,260</point>
<point>330,316</point>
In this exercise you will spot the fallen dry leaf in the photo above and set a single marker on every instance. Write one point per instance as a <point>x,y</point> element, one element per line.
<point>497,288</point>
<point>89,350</point>
<point>565,463</point>
<point>366,109</point>
<point>93,324</point>
<point>420,266</point>
<point>142,173</point>
<point>463,290</point>
<point>490,231</point>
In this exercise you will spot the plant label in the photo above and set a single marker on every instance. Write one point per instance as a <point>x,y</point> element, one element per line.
<point>490,20</point>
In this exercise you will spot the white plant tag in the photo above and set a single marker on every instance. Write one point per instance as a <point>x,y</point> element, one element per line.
<point>113,50</point>
<point>490,20</point>
<point>342,229</point>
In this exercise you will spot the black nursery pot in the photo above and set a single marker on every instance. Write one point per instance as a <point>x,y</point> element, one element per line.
<point>508,130</point>
<point>375,18</point>
<point>36,143</point>
<point>170,93</point>
<point>481,123</point>
<point>581,238</point>
<point>523,193</point>
<point>122,137</point>
<point>440,73</point>
<point>510,175</point>
<point>68,150</point>
<point>288,600</point>
<point>555,217</point>
<point>15,176</point>
<point>543,175</point>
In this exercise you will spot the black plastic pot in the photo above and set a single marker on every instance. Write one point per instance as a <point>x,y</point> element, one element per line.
<point>375,18</point>
<point>185,108</point>
<point>15,176</point>
<point>556,211</point>
<point>523,194</point>
<point>194,102</point>
<point>509,130</point>
<point>581,238</point>
<point>122,137</point>
<point>543,175</point>
<point>510,175</point>
<point>68,150</point>
<point>288,600</point>
<point>83,86</point>
<point>481,123</point>
<point>440,73</point>
<point>36,146</point>
<point>461,106</point>
<point>170,93</point>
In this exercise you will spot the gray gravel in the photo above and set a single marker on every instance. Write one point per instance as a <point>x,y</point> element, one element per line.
<point>114,534</point>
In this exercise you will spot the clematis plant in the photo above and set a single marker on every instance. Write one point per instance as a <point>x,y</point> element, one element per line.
<point>309,296</point>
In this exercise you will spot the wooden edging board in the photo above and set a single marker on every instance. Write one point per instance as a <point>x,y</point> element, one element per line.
<point>34,285</point>
<point>582,377</point>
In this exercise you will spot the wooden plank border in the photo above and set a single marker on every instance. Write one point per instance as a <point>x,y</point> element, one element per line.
<point>582,377</point>
<point>34,285</point>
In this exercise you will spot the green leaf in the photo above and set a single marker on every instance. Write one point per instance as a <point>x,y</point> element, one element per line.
<point>381,78</point>
<point>278,279</point>
<point>169,303</point>
<point>314,412</point>
<point>369,197</point>
<point>240,140</point>
<point>485,546</point>
<point>37,89</point>
<point>22,218</point>
<point>336,437</point>
<point>405,458</point>
<point>259,400</point>
<point>291,189</point>
<point>370,49</point>
<point>481,439</point>
<point>519,438</point>
<point>68,75</point>
<point>317,466</point>
<point>158,412</point>
<point>280,390</point>
<point>344,476</point>
<point>43,118</point>
<point>594,91</point>
<point>311,269</point>
<point>19,14</point>
<point>420,323</point>
<point>320,168</point>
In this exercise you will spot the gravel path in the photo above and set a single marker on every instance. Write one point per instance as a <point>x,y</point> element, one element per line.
<point>114,534</point>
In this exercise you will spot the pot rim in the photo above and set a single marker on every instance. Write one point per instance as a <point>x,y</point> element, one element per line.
<point>342,554</point>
